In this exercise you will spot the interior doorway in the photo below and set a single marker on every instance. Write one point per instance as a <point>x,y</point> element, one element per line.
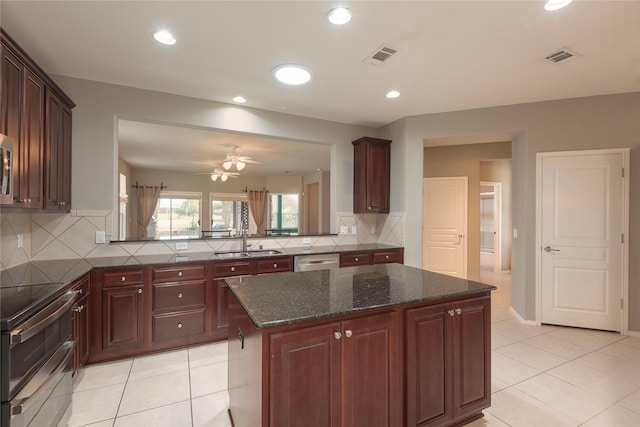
<point>491,226</point>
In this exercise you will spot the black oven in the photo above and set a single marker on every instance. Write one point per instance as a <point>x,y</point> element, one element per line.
<point>35,352</point>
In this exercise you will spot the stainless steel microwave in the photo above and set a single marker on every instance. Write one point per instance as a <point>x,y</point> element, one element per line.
<point>6,177</point>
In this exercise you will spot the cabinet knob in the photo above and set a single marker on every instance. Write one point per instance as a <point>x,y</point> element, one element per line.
<point>451,312</point>
<point>386,257</point>
<point>80,291</point>
<point>369,208</point>
<point>179,325</point>
<point>122,279</point>
<point>233,269</point>
<point>337,335</point>
<point>356,259</point>
<point>458,311</point>
<point>180,295</point>
<point>179,273</point>
<point>28,200</point>
<point>275,265</point>
<point>139,290</point>
<point>79,308</point>
<point>348,333</point>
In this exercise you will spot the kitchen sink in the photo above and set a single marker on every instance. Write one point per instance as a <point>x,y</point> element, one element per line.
<point>250,253</point>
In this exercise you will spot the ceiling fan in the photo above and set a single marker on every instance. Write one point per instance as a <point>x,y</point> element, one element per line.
<point>240,162</point>
<point>219,173</point>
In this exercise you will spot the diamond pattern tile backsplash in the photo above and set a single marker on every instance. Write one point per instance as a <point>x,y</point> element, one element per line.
<point>50,236</point>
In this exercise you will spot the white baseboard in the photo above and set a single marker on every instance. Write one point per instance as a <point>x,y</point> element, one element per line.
<point>633,333</point>
<point>521,320</point>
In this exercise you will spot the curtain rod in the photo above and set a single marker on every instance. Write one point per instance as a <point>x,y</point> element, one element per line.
<point>136,186</point>
<point>246,190</point>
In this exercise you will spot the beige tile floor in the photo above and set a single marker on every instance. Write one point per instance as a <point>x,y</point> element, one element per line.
<point>541,377</point>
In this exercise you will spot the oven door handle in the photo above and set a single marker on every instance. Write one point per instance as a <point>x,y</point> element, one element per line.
<point>44,318</point>
<point>41,380</point>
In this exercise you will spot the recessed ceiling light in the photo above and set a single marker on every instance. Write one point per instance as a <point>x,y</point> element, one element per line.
<point>393,94</point>
<point>292,74</point>
<point>164,37</point>
<point>339,15</point>
<point>556,4</point>
<point>239,99</point>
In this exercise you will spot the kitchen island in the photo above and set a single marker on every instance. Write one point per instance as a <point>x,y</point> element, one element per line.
<point>380,345</point>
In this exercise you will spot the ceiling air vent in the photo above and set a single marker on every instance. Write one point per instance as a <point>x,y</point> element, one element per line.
<point>562,56</point>
<point>380,55</point>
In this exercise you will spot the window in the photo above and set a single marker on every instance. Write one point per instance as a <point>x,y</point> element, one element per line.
<point>226,212</point>
<point>124,199</point>
<point>177,216</point>
<point>283,213</point>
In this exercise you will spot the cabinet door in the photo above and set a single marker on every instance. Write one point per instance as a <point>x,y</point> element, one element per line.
<point>81,333</point>
<point>31,166</point>
<point>371,179</point>
<point>371,371</point>
<point>58,154</point>
<point>429,358</point>
<point>10,95</point>
<point>221,309</point>
<point>472,356</point>
<point>122,317</point>
<point>299,396</point>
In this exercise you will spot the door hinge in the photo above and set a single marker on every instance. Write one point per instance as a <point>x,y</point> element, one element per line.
<point>622,238</point>
<point>623,172</point>
<point>621,303</point>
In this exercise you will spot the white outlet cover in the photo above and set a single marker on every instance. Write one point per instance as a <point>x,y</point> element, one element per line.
<point>344,230</point>
<point>20,238</point>
<point>182,246</point>
<point>100,237</point>
<point>306,240</point>
<point>354,229</point>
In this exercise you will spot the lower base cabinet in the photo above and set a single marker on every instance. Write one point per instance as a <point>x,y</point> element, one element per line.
<point>80,321</point>
<point>448,362</point>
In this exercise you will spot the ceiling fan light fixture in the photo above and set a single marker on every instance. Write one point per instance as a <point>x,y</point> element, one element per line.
<point>214,177</point>
<point>339,15</point>
<point>224,178</point>
<point>292,74</point>
<point>556,4</point>
<point>227,164</point>
<point>240,165</point>
<point>164,37</point>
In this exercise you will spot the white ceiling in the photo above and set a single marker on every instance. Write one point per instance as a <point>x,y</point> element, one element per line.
<point>452,55</point>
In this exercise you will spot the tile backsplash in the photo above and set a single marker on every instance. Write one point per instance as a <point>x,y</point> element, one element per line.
<point>50,236</point>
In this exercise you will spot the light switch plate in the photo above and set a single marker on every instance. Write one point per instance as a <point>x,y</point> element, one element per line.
<point>100,237</point>
<point>354,230</point>
<point>20,237</point>
<point>515,233</point>
<point>344,230</point>
<point>181,246</point>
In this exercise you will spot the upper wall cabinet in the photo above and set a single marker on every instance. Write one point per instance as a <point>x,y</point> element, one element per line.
<point>371,175</point>
<point>36,114</point>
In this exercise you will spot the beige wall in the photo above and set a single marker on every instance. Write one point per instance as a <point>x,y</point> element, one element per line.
<point>611,121</point>
<point>464,160</point>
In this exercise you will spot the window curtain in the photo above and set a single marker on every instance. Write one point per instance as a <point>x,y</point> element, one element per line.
<point>147,202</point>
<point>258,207</point>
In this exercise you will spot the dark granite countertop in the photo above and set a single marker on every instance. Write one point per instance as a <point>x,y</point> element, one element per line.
<point>286,298</point>
<point>67,270</point>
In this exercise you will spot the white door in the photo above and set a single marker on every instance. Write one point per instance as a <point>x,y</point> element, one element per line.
<point>444,246</point>
<point>582,211</point>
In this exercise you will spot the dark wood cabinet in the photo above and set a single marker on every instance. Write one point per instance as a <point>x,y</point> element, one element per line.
<point>58,154</point>
<point>385,256</point>
<point>220,316</point>
<point>123,317</point>
<point>354,259</point>
<point>371,175</point>
<point>274,265</point>
<point>81,327</point>
<point>448,369</point>
<point>35,113</point>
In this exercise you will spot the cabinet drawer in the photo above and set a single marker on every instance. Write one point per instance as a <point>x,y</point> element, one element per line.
<point>225,269</point>
<point>274,265</point>
<point>387,256</point>
<point>82,286</point>
<point>122,278</point>
<point>352,259</point>
<point>174,274</point>
<point>178,325</point>
<point>179,295</point>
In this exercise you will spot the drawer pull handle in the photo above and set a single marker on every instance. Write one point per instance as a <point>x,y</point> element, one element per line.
<point>180,295</point>
<point>386,257</point>
<point>122,279</point>
<point>450,312</point>
<point>356,259</point>
<point>179,325</point>
<point>233,269</point>
<point>179,273</point>
<point>458,311</point>
<point>275,265</point>
<point>139,290</point>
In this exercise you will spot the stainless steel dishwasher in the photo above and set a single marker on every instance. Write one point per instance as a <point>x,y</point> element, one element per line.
<point>316,262</point>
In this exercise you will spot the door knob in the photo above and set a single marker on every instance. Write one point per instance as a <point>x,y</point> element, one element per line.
<point>550,249</point>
